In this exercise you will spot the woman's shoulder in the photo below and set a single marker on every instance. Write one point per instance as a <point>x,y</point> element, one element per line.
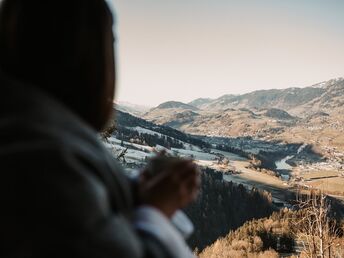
<point>40,139</point>
<point>41,158</point>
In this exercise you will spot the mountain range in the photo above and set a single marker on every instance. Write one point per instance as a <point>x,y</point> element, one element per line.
<point>312,114</point>
<point>294,100</point>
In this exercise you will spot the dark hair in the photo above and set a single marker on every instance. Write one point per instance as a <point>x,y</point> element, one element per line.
<point>59,46</point>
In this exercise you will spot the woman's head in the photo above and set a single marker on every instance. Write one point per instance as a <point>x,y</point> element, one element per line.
<point>63,47</point>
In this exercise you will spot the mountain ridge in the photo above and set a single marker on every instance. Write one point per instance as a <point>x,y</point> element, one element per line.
<point>312,114</point>
<point>176,104</point>
<point>255,99</point>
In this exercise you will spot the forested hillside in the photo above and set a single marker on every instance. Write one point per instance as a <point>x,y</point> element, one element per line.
<point>309,230</point>
<point>223,206</point>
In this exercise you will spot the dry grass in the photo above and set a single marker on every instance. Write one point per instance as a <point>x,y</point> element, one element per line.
<point>329,181</point>
<point>329,185</point>
<point>237,249</point>
<point>320,174</point>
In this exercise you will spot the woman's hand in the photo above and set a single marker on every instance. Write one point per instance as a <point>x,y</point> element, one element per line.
<point>171,189</point>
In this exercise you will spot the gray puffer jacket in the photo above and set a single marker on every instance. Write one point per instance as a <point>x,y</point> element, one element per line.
<point>61,192</point>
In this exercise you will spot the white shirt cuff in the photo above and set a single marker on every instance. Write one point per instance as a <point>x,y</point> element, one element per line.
<point>152,221</point>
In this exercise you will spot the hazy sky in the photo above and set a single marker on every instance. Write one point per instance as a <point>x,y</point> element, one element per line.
<point>185,49</point>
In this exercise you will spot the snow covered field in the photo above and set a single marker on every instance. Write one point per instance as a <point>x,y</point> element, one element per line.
<point>137,154</point>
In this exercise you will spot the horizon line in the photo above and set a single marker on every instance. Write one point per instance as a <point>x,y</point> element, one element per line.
<point>116,101</point>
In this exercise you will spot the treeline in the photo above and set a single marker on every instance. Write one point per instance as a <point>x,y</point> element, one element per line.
<point>152,140</point>
<point>228,148</point>
<point>309,230</point>
<point>223,206</point>
<point>124,120</point>
<point>256,238</point>
<point>265,159</point>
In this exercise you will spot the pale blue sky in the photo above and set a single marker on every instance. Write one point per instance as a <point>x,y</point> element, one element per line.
<point>185,49</point>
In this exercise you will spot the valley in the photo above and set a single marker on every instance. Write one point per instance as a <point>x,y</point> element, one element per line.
<point>277,167</point>
<point>262,123</point>
<point>266,147</point>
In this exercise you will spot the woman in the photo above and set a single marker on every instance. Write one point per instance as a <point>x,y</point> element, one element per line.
<point>62,194</point>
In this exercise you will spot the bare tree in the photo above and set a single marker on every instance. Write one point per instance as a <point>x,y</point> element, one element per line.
<point>316,231</point>
<point>121,155</point>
